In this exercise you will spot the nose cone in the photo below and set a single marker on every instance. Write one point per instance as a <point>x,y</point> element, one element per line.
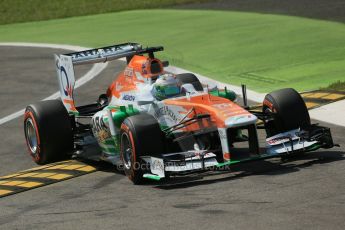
<point>240,120</point>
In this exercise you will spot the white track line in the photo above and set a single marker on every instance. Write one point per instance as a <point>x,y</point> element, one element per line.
<point>93,72</point>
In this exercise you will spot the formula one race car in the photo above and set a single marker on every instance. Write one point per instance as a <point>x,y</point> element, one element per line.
<point>155,124</point>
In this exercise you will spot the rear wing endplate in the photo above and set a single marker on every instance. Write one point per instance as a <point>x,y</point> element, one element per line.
<point>66,79</point>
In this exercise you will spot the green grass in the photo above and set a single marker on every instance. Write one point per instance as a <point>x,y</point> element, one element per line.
<point>266,52</point>
<point>12,11</point>
<point>337,86</point>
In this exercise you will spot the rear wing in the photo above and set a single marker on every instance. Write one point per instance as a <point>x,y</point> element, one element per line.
<point>110,53</point>
<point>65,62</point>
<point>104,54</point>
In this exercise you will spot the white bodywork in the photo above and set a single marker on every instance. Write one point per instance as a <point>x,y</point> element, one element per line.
<point>66,79</point>
<point>286,142</point>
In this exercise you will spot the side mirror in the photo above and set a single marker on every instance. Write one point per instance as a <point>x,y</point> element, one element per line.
<point>165,63</point>
<point>103,100</point>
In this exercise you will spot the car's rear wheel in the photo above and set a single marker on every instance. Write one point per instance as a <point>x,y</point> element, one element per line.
<point>48,131</point>
<point>288,110</point>
<point>140,135</point>
<point>185,78</point>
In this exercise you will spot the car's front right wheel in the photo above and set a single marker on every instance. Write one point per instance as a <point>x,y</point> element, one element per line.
<point>288,110</point>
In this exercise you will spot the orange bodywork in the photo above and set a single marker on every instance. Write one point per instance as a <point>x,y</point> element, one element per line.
<point>126,80</point>
<point>219,108</point>
<point>71,103</point>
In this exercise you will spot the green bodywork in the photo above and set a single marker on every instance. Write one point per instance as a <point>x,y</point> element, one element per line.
<point>122,113</point>
<point>111,145</point>
<point>152,176</point>
<point>76,113</point>
<point>228,94</point>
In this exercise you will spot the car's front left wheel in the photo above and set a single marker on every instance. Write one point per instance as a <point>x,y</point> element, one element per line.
<point>140,135</point>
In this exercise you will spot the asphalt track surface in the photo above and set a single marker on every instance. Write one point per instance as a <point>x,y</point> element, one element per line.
<point>304,193</point>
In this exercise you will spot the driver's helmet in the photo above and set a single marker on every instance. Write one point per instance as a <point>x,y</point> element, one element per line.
<point>166,86</point>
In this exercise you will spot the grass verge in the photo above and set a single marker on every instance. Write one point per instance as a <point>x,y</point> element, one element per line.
<point>12,11</point>
<point>266,52</point>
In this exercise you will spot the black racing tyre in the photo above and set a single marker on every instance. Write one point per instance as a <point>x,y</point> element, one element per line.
<point>140,135</point>
<point>48,131</point>
<point>289,111</point>
<point>185,78</point>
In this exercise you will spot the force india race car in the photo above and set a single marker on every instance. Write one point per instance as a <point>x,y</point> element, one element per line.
<point>153,131</point>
